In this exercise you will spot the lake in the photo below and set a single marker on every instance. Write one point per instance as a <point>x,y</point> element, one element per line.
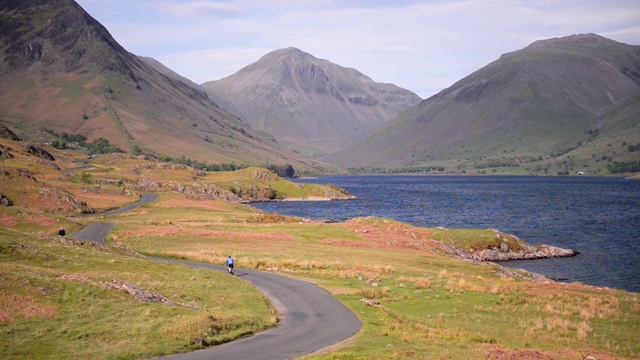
<point>597,216</point>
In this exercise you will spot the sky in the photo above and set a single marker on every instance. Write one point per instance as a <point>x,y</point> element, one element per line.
<point>423,46</point>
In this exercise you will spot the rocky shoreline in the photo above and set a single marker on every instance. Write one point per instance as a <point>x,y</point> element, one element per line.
<point>510,247</point>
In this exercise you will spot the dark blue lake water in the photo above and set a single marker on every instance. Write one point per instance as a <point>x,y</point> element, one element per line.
<point>597,216</point>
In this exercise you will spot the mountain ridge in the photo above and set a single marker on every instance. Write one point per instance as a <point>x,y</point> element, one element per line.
<point>310,104</point>
<point>537,102</point>
<point>62,70</point>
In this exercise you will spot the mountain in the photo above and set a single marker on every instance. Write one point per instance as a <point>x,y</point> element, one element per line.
<point>563,104</point>
<point>309,104</point>
<point>222,102</point>
<point>61,70</point>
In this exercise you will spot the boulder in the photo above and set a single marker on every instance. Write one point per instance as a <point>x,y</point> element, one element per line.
<point>5,201</point>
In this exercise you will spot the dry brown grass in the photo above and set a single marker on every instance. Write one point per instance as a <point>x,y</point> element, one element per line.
<point>388,235</point>
<point>14,306</point>
<point>418,282</point>
<point>104,199</point>
<point>178,229</point>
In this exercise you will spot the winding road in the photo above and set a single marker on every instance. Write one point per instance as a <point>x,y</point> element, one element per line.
<point>310,318</point>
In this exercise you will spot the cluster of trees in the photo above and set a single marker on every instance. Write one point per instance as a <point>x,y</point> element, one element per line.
<point>285,171</point>
<point>204,166</point>
<point>406,170</point>
<point>633,148</point>
<point>99,146</point>
<point>624,167</point>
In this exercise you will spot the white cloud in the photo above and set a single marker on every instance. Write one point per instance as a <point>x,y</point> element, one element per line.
<point>192,9</point>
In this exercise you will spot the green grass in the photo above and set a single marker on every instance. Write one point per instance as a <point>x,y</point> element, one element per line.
<point>44,316</point>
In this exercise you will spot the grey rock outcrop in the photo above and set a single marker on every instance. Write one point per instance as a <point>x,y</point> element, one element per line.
<point>38,151</point>
<point>5,133</point>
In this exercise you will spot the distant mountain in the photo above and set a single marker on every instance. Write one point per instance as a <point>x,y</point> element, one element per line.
<point>563,104</point>
<point>309,104</point>
<point>222,102</point>
<point>60,69</point>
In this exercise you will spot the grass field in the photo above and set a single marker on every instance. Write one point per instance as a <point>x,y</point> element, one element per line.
<point>57,298</point>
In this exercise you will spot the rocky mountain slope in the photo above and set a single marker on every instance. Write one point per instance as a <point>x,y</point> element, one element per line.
<point>562,104</point>
<point>61,70</point>
<point>309,104</point>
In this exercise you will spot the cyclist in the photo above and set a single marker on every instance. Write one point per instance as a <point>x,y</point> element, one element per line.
<point>230,264</point>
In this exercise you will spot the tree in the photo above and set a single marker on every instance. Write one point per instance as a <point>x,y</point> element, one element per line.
<point>286,171</point>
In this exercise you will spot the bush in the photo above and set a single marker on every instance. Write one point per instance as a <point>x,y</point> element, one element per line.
<point>624,167</point>
<point>285,171</point>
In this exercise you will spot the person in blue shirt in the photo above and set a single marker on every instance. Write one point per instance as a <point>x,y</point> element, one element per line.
<point>230,264</point>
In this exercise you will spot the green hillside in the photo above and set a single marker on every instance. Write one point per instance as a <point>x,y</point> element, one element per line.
<point>559,105</point>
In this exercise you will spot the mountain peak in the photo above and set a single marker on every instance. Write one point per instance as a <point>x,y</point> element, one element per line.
<point>579,40</point>
<point>287,53</point>
<point>311,105</point>
<point>59,34</point>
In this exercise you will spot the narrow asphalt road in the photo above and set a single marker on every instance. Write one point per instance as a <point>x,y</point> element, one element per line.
<point>310,318</point>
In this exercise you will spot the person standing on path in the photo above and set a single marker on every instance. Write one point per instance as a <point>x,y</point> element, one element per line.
<point>230,264</point>
<point>61,232</point>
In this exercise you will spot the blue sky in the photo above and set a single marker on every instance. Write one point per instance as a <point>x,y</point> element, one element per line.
<point>423,46</point>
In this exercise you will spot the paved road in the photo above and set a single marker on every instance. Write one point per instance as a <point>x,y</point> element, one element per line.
<point>311,319</point>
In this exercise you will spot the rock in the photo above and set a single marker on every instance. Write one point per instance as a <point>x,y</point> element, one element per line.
<point>5,133</point>
<point>37,151</point>
<point>23,246</point>
<point>510,248</point>
<point>69,200</point>
<point>72,277</point>
<point>49,164</point>
<point>4,200</point>
<point>149,184</point>
<point>116,182</point>
<point>138,293</point>
<point>373,282</point>
<point>200,342</point>
<point>370,302</point>
<point>26,174</point>
<point>5,152</point>
<point>264,175</point>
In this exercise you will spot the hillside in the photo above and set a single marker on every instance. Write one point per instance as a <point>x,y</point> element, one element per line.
<point>564,104</point>
<point>61,70</point>
<point>309,104</point>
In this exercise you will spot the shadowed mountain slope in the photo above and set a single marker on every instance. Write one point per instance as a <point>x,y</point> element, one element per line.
<point>564,103</point>
<point>309,104</point>
<point>60,69</point>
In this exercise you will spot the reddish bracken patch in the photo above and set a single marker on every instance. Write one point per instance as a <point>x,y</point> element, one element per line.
<point>13,307</point>
<point>497,352</point>
<point>509,354</point>
<point>389,235</point>
<point>554,288</point>
<point>7,220</point>
<point>173,231</point>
